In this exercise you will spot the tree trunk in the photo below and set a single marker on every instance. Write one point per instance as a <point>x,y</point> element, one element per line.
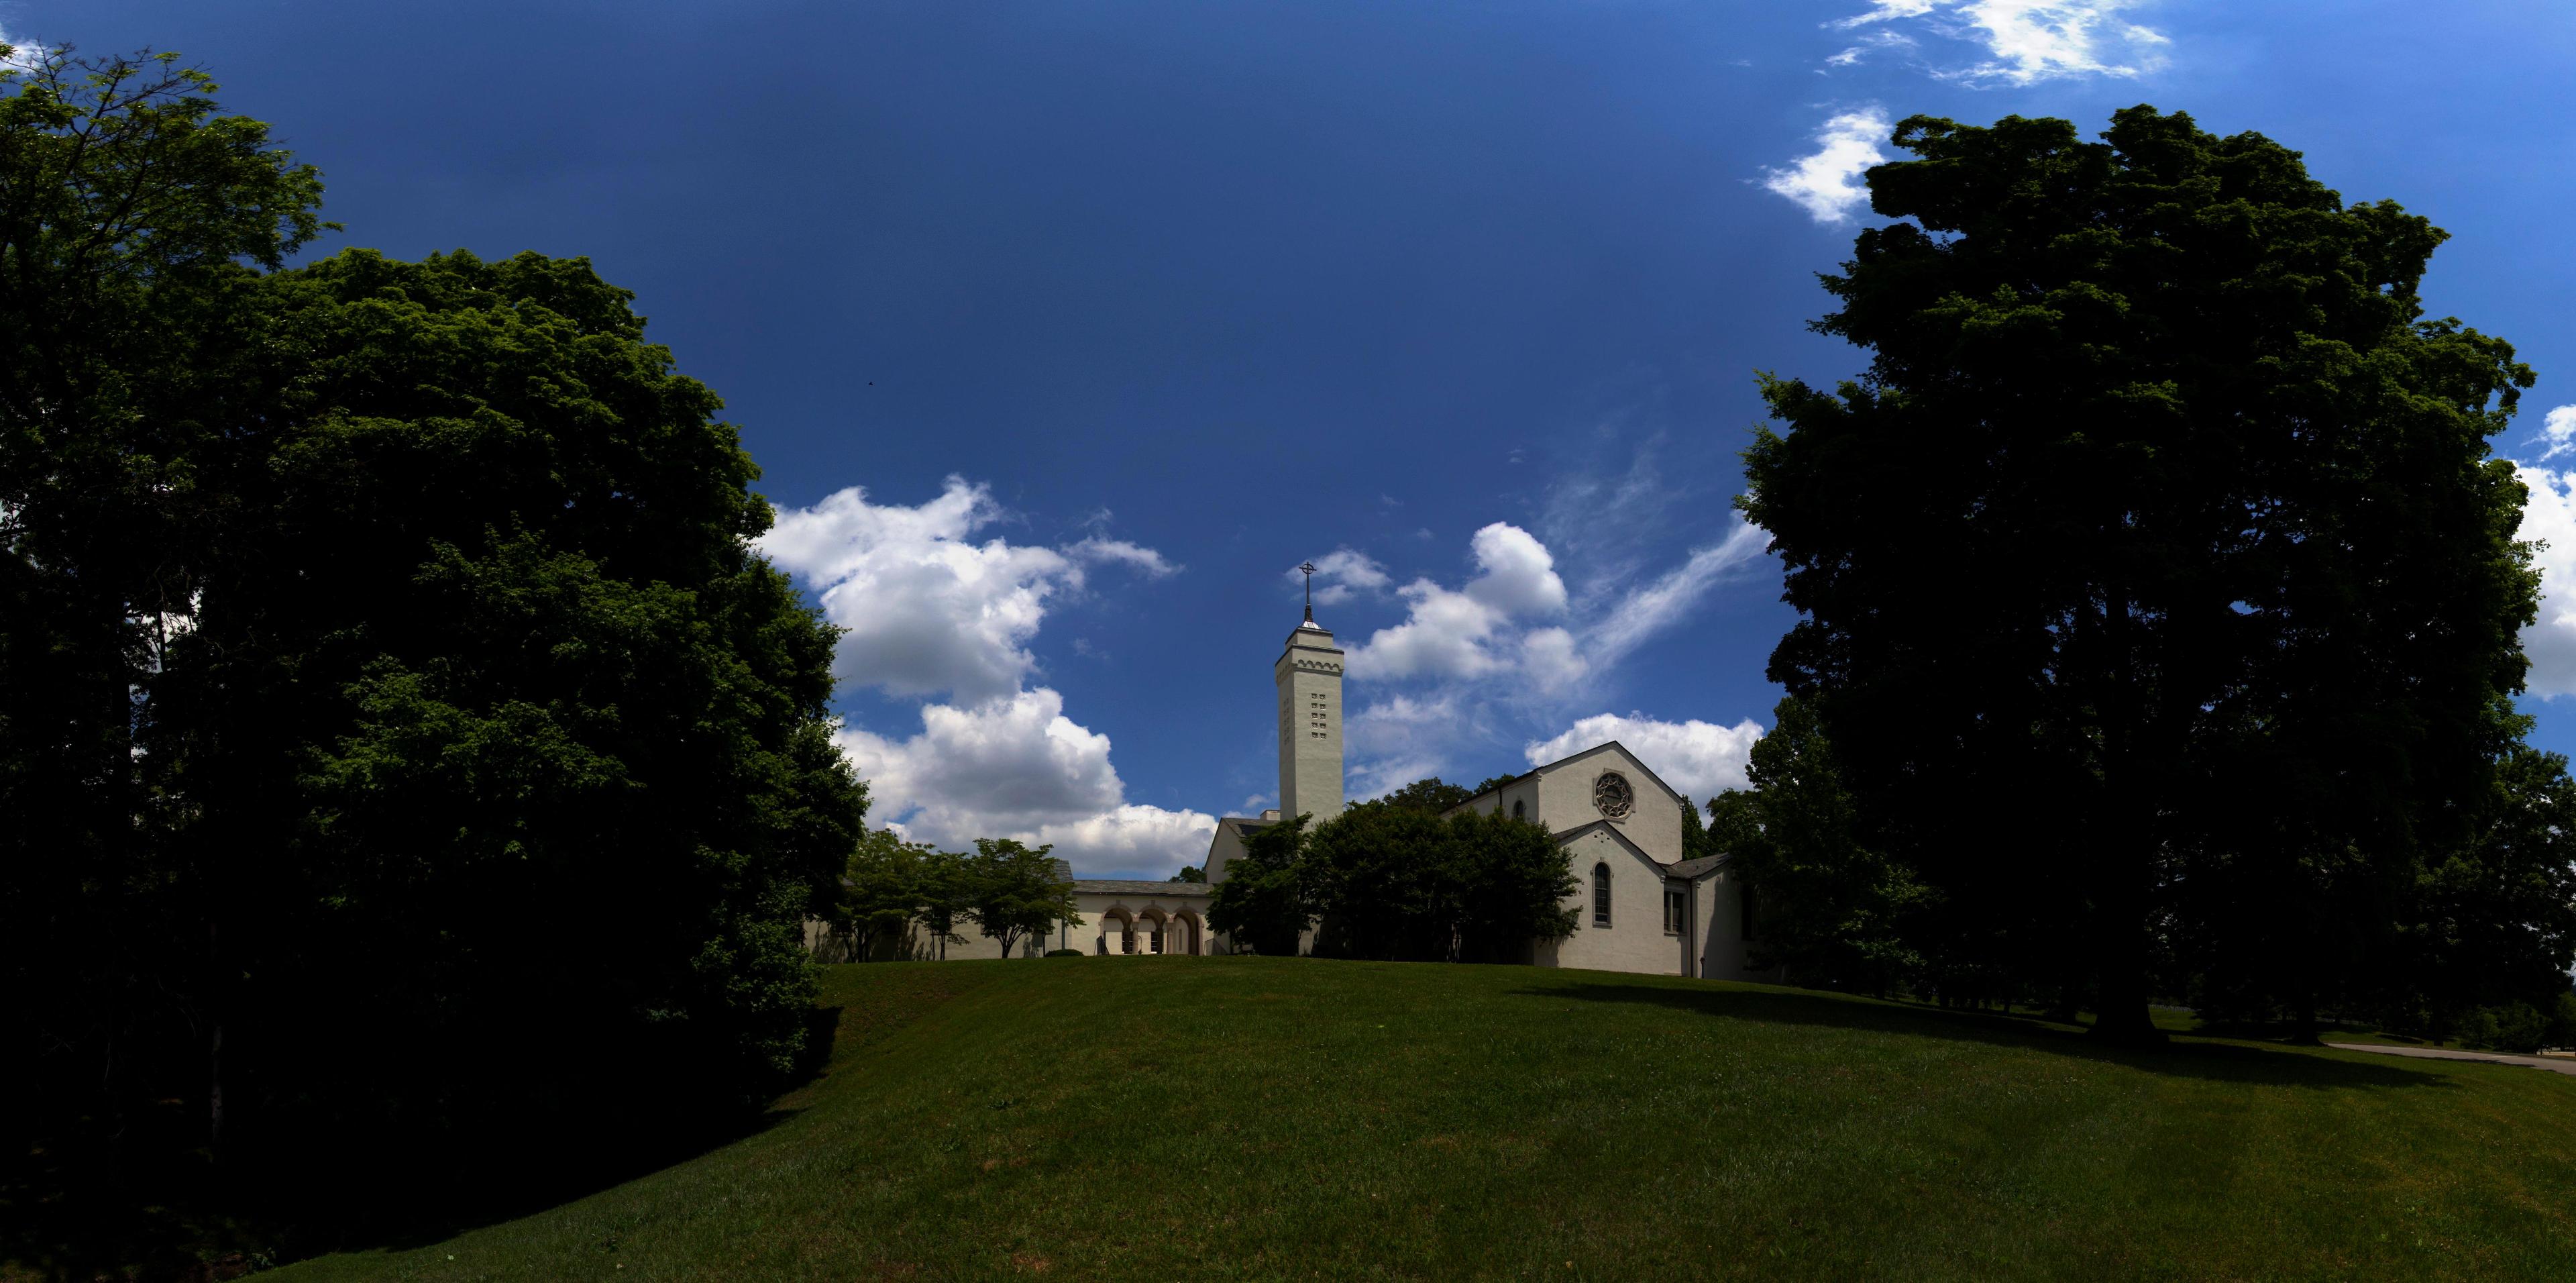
<point>2123,859</point>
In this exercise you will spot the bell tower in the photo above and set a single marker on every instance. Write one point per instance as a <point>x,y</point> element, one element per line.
<point>1309,676</point>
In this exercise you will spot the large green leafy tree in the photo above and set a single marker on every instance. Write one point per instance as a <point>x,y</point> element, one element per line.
<point>1262,903</point>
<point>1019,892</point>
<point>1401,882</point>
<point>398,733</point>
<point>2159,538</point>
<point>1832,909</point>
<point>134,219</point>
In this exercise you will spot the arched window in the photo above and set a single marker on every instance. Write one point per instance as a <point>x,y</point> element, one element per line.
<point>1601,895</point>
<point>1520,810</point>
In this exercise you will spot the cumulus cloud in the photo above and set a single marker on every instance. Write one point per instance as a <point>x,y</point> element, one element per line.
<point>928,608</point>
<point>1702,759</point>
<point>1510,641</point>
<point>1827,182</point>
<point>2028,41</point>
<point>2550,641</point>
<point>931,609</point>
<point>2559,430</point>
<point>1018,767</point>
<point>1466,632</point>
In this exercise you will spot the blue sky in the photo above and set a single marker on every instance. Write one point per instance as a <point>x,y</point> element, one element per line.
<point>1063,330</point>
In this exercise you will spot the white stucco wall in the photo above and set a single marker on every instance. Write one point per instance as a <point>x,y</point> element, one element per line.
<point>1222,850</point>
<point>1635,940</point>
<point>1565,801</point>
<point>1722,952</point>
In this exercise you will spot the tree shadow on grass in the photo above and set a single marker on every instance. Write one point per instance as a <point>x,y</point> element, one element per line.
<point>156,1210</point>
<point>2220,1062</point>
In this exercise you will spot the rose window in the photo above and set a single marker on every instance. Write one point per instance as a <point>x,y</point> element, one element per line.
<point>1612,795</point>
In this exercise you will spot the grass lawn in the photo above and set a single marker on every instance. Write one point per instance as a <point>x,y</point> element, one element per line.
<point>1214,1118</point>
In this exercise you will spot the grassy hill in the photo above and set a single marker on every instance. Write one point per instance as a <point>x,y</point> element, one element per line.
<point>1195,1118</point>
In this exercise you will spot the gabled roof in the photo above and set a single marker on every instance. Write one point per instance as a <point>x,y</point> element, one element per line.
<point>1245,826</point>
<point>1669,790</point>
<point>1613,830</point>
<point>1692,870</point>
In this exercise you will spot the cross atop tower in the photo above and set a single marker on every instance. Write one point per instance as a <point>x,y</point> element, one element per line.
<point>1309,568</point>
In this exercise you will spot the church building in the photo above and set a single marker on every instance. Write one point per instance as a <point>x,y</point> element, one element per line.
<point>1640,906</point>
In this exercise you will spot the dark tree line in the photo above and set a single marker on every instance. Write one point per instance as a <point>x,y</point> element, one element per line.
<point>2159,599</point>
<point>400,742</point>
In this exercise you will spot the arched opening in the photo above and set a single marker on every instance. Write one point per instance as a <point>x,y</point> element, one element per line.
<point>1520,810</point>
<point>1152,931</point>
<point>1185,933</point>
<point>1601,895</point>
<point>1117,934</point>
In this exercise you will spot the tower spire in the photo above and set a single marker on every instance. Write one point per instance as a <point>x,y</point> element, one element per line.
<point>1309,568</point>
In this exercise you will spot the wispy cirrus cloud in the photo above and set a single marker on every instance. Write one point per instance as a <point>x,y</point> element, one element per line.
<point>2026,41</point>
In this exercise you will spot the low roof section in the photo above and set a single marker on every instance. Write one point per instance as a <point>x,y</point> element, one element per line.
<point>1139,886</point>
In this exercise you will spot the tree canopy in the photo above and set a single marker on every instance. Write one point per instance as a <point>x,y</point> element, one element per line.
<point>396,724</point>
<point>2158,547</point>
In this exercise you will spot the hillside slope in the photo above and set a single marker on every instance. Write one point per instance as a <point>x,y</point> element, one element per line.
<point>1272,1118</point>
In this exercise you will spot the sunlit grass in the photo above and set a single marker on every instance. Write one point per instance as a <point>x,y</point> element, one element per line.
<point>1184,1118</point>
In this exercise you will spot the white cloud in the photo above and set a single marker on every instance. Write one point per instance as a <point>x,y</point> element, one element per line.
<point>931,610</point>
<point>1402,738</point>
<point>26,53</point>
<point>2559,430</point>
<point>1827,182</point>
<point>1466,632</point>
<point>2550,641</point>
<point>1885,11</point>
<point>1647,610</point>
<point>928,610</point>
<point>1511,640</point>
<point>2028,41</point>
<point>2035,40</point>
<point>1342,570</point>
<point>1018,767</point>
<point>1096,549</point>
<point>1702,759</point>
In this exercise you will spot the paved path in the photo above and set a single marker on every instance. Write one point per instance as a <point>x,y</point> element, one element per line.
<point>2553,1064</point>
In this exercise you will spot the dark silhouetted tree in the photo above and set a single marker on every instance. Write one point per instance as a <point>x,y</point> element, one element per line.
<point>2158,480</point>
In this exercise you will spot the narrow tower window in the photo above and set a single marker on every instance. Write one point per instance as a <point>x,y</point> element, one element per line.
<point>1601,895</point>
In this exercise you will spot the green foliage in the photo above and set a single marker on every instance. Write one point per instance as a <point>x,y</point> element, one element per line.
<point>1262,904</point>
<point>2247,593</point>
<point>1434,795</point>
<point>1392,881</point>
<point>2493,920</point>
<point>884,888</point>
<point>1191,873</point>
<point>1016,892</point>
<point>1832,909</point>
<point>395,724</point>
